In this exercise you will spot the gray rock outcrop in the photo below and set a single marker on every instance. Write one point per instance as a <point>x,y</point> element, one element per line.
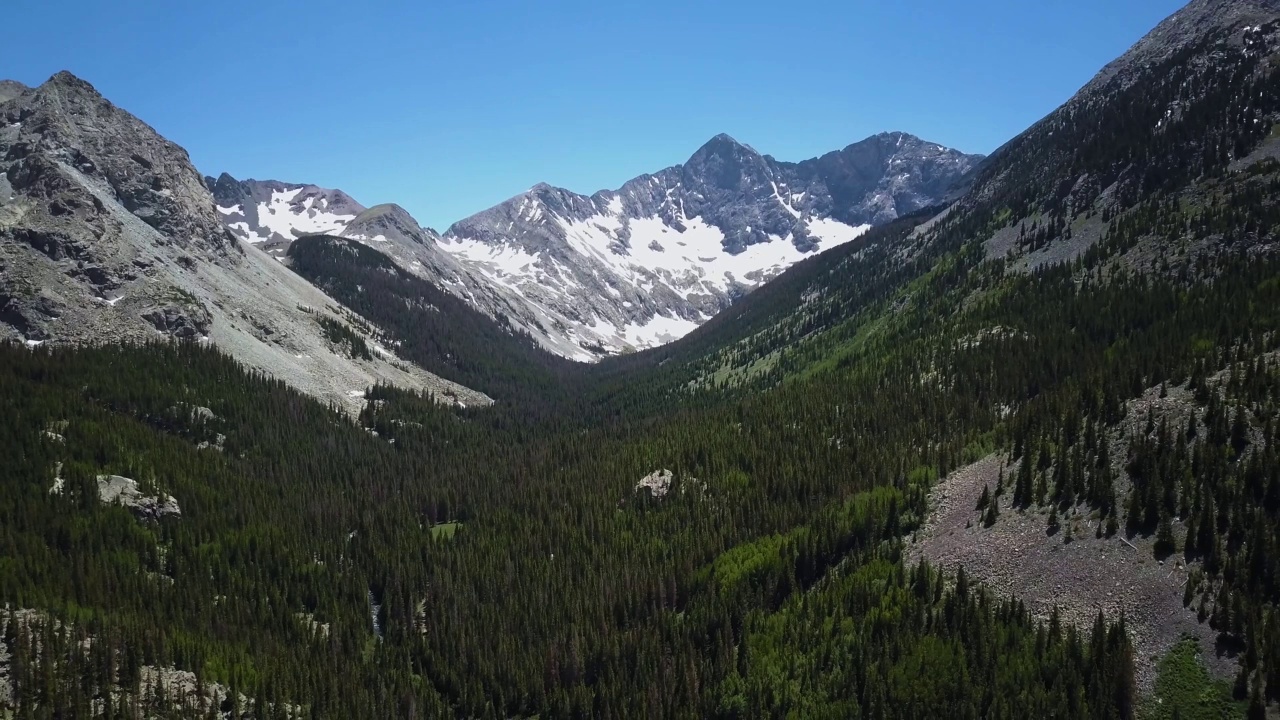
<point>123,491</point>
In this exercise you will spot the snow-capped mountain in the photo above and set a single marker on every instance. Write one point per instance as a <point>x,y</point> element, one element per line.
<point>275,213</point>
<point>633,268</point>
<point>643,265</point>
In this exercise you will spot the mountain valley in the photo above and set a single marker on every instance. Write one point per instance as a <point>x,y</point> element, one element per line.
<point>896,432</point>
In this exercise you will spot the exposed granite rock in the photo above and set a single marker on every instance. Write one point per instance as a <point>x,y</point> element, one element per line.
<point>184,323</point>
<point>119,490</point>
<point>657,483</point>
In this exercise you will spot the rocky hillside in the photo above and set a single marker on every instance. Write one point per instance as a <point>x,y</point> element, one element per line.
<point>108,233</point>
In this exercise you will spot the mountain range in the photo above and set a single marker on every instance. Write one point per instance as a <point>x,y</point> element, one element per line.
<point>633,268</point>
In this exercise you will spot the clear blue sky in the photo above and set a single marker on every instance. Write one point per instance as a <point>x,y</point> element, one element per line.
<point>450,106</point>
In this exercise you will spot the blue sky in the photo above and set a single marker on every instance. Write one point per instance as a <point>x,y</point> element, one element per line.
<point>450,107</point>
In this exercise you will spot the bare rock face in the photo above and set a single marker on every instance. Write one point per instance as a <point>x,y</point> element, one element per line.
<point>186,323</point>
<point>657,483</point>
<point>93,203</point>
<point>65,122</point>
<point>118,490</point>
<point>1193,23</point>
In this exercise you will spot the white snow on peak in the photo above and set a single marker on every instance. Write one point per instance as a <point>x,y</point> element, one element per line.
<point>233,210</point>
<point>639,253</point>
<point>785,205</point>
<point>497,262</point>
<point>280,216</point>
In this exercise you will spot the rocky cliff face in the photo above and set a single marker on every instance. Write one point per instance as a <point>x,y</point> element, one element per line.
<point>107,233</point>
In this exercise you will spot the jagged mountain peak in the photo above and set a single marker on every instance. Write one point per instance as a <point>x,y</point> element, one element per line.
<point>725,163</point>
<point>65,133</point>
<point>638,266</point>
<point>274,213</point>
<point>723,144</point>
<point>641,265</point>
<point>67,93</point>
<point>67,79</point>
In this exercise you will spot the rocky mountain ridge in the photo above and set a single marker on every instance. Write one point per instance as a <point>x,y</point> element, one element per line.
<point>108,233</point>
<point>590,276</point>
<point>274,213</point>
<point>1191,24</point>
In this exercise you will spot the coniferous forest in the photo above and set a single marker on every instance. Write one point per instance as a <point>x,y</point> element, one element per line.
<point>519,560</point>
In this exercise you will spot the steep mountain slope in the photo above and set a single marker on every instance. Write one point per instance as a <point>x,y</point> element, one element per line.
<point>1106,292</point>
<point>1186,116</point>
<point>274,213</point>
<point>107,233</point>
<point>645,264</point>
<point>1191,25</point>
<point>429,325</point>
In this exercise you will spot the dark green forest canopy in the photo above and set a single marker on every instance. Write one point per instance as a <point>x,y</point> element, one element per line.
<point>421,560</point>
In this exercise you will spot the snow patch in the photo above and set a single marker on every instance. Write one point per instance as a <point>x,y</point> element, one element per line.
<point>279,216</point>
<point>834,233</point>
<point>657,330</point>
<point>249,234</point>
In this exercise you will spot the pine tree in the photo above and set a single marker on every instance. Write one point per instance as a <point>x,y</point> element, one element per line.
<point>992,514</point>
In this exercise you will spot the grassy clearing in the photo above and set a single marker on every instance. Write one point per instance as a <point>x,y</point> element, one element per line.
<point>445,531</point>
<point>1185,690</point>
